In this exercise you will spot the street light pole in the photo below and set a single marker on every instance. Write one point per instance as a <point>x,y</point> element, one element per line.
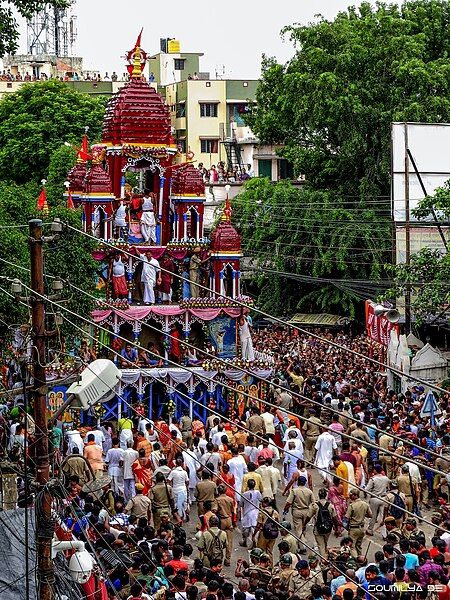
<point>45,568</point>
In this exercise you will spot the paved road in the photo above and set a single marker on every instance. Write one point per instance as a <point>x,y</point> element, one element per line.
<point>370,544</point>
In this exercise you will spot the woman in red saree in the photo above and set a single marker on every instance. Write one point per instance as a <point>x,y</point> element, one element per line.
<point>142,471</point>
<point>164,433</point>
<point>337,499</point>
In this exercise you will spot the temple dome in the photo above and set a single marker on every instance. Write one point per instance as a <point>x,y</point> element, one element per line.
<point>187,180</point>
<point>225,238</point>
<point>77,177</point>
<point>137,114</point>
<point>98,181</point>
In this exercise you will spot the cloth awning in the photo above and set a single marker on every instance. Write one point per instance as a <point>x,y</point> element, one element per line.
<point>319,320</point>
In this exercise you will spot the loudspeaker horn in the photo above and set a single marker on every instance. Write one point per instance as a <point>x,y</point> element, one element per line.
<point>393,315</point>
<point>379,310</point>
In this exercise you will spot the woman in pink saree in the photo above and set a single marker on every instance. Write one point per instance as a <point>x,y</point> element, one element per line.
<point>337,499</point>
<point>142,471</point>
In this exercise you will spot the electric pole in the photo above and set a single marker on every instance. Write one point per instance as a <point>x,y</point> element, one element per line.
<point>407,238</point>
<point>45,568</point>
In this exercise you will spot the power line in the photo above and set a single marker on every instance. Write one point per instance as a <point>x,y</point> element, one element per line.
<point>243,369</point>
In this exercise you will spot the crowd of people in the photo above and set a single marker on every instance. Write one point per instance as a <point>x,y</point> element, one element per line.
<point>6,75</point>
<point>330,459</point>
<point>223,173</point>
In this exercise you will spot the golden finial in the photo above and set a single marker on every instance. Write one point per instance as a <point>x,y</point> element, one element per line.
<point>137,69</point>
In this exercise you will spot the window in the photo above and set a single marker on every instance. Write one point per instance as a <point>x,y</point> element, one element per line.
<point>181,110</point>
<point>265,168</point>
<point>245,83</point>
<point>208,109</point>
<point>179,64</point>
<point>209,146</point>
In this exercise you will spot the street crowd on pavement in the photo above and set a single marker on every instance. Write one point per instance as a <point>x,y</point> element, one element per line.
<point>289,501</point>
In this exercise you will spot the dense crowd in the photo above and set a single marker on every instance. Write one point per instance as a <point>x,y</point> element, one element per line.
<point>223,173</point>
<point>6,75</point>
<point>330,459</point>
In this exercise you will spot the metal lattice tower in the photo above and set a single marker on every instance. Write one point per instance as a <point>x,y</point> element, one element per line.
<point>52,31</point>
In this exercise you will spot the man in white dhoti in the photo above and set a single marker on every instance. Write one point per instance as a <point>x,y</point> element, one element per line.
<point>291,458</point>
<point>238,468</point>
<point>250,510</point>
<point>325,446</point>
<point>151,275</point>
<point>247,351</point>
<point>120,220</point>
<point>148,220</point>
<point>190,460</point>
<point>297,438</point>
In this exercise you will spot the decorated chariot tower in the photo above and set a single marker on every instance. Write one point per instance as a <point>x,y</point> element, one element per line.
<point>174,293</point>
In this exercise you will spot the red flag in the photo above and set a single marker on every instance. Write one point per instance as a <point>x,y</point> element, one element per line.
<point>138,41</point>
<point>70,204</point>
<point>84,144</point>
<point>84,155</point>
<point>83,152</point>
<point>42,201</point>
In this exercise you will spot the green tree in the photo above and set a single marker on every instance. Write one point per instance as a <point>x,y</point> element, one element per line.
<point>429,271</point>
<point>329,110</point>
<point>298,239</point>
<point>68,257</point>
<point>427,277</point>
<point>332,104</point>
<point>36,120</point>
<point>9,32</point>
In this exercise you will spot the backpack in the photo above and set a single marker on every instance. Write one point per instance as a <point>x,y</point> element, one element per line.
<point>324,521</point>
<point>216,548</point>
<point>179,535</point>
<point>270,529</point>
<point>398,510</point>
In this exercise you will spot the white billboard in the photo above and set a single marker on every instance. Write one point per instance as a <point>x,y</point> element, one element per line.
<point>429,145</point>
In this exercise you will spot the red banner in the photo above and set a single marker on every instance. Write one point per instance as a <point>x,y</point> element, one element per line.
<point>378,327</point>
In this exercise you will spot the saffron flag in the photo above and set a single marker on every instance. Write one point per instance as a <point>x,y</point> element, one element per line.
<point>70,204</point>
<point>42,202</point>
<point>138,41</point>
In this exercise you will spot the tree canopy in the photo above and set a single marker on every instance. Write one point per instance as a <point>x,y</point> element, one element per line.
<point>429,271</point>
<point>69,257</point>
<point>332,104</point>
<point>36,120</point>
<point>303,242</point>
<point>9,32</point>
<point>34,124</point>
<point>329,111</point>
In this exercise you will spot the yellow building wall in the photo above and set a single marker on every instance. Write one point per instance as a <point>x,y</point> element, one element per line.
<point>208,127</point>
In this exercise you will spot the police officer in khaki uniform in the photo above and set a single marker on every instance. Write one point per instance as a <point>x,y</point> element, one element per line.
<point>162,499</point>
<point>357,512</point>
<point>287,537</point>
<point>282,575</point>
<point>391,527</point>
<point>301,582</point>
<point>139,506</point>
<point>322,538</point>
<point>225,512</point>
<point>266,512</point>
<point>300,501</point>
<point>311,431</point>
<point>205,490</point>
<point>409,486</point>
<point>186,428</point>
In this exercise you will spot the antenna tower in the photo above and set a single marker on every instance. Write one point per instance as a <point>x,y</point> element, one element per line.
<point>52,31</point>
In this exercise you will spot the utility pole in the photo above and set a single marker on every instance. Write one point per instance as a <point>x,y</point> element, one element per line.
<point>407,236</point>
<point>45,567</point>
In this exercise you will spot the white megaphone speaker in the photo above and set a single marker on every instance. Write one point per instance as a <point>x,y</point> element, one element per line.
<point>393,315</point>
<point>379,310</point>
